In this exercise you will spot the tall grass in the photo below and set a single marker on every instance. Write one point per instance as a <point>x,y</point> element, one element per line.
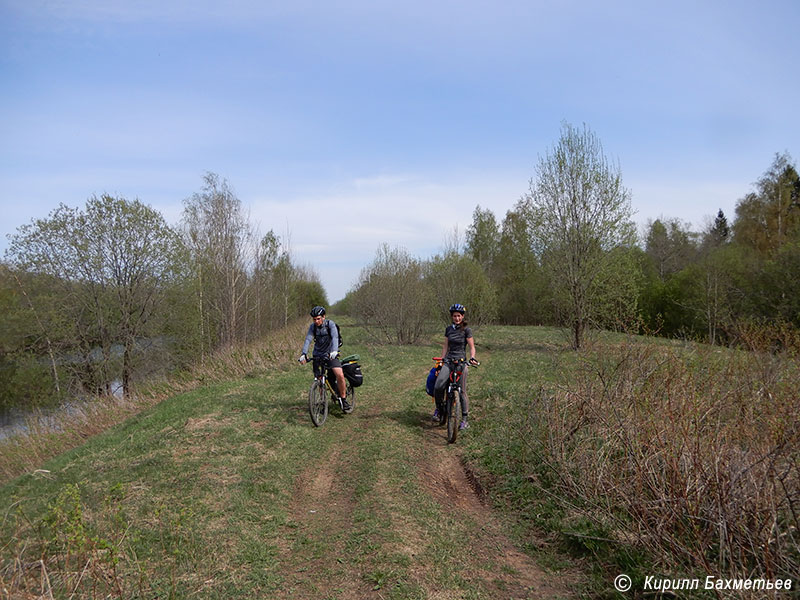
<point>692,455</point>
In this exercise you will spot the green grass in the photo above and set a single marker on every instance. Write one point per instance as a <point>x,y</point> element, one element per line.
<point>229,491</point>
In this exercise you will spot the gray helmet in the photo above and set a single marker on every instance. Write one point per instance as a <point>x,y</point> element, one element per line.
<point>318,311</point>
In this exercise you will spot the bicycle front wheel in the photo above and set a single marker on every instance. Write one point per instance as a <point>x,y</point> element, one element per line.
<point>453,409</point>
<point>318,403</point>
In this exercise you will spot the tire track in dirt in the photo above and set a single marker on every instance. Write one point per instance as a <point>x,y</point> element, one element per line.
<point>323,496</point>
<point>504,570</point>
<point>497,565</point>
<point>319,516</point>
<point>320,513</point>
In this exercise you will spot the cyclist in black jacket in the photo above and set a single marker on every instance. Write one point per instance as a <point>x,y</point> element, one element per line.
<point>325,335</point>
<point>457,338</point>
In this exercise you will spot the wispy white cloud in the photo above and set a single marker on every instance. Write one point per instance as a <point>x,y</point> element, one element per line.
<point>348,225</point>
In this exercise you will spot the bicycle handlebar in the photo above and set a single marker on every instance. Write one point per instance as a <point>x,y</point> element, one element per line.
<point>472,362</point>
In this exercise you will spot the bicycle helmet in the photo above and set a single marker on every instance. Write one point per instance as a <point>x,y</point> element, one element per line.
<point>458,308</point>
<point>318,311</point>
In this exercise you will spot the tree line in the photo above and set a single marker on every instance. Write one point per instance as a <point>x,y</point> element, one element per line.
<point>111,293</point>
<point>569,254</point>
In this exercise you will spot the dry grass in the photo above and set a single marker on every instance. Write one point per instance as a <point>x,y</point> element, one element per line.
<point>25,452</point>
<point>693,455</point>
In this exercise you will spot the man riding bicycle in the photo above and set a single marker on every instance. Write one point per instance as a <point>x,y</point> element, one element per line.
<point>457,337</point>
<point>325,336</point>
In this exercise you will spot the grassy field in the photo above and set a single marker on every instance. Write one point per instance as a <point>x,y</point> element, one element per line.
<point>228,491</point>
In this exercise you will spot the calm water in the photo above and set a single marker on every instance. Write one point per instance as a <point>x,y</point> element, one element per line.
<point>17,420</point>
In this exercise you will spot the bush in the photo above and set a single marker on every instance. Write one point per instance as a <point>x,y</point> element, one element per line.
<point>692,456</point>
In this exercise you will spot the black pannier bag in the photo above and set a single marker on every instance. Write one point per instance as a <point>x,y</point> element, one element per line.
<point>352,370</point>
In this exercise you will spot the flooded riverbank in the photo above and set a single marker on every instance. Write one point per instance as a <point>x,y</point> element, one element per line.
<point>20,421</point>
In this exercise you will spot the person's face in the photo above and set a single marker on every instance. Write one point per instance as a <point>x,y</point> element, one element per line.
<point>318,319</point>
<point>457,318</point>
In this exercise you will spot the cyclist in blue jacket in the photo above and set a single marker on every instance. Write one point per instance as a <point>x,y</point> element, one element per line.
<point>325,335</point>
<point>457,338</point>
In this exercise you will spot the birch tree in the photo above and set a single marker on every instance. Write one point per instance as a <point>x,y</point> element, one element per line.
<point>579,212</point>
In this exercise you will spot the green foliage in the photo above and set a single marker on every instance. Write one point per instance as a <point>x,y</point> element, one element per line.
<point>25,381</point>
<point>523,289</point>
<point>776,290</point>
<point>345,305</point>
<point>482,237</point>
<point>109,292</point>
<point>94,279</point>
<point>770,217</point>
<point>670,246</point>
<point>455,277</point>
<point>306,294</point>
<point>579,213</point>
<point>393,297</point>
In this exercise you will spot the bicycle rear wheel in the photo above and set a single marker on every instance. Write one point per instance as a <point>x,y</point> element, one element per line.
<point>318,403</point>
<point>351,397</point>
<point>453,410</point>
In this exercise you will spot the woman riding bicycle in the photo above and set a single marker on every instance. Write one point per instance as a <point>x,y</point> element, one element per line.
<point>325,336</point>
<point>457,337</point>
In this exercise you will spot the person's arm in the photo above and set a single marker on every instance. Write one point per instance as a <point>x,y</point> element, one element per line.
<point>334,349</point>
<point>445,347</point>
<point>471,344</point>
<point>307,343</point>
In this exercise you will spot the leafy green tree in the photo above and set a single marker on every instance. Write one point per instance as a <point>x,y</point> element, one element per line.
<point>775,293</point>
<point>112,263</point>
<point>670,245</point>
<point>26,378</point>
<point>483,236</point>
<point>393,297</point>
<point>307,292</point>
<point>769,217</point>
<point>579,212</point>
<point>524,296</point>
<point>712,294</point>
<point>455,277</point>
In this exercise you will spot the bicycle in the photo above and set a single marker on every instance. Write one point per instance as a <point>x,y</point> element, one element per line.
<point>451,411</point>
<point>323,387</point>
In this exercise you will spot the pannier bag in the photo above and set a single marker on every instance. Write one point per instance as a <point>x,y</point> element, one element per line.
<point>352,370</point>
<point>430,383</point>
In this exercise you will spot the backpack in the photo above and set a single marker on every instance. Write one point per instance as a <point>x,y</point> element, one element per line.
<point>338,331</point>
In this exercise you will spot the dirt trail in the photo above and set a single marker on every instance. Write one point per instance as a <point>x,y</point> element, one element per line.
<point>507,572</point>
<point>324,491</point>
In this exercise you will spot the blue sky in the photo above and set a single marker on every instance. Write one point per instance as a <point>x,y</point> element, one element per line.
<point>344,125</point>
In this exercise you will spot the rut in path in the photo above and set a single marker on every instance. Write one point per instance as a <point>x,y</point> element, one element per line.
<point>323,495</point>
<point>454,485</point>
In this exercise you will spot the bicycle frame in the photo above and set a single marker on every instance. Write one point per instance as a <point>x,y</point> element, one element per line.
<point>321,390</point>
<point>455,375</point>
<point>453,396</point>
<point>323,376</point>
